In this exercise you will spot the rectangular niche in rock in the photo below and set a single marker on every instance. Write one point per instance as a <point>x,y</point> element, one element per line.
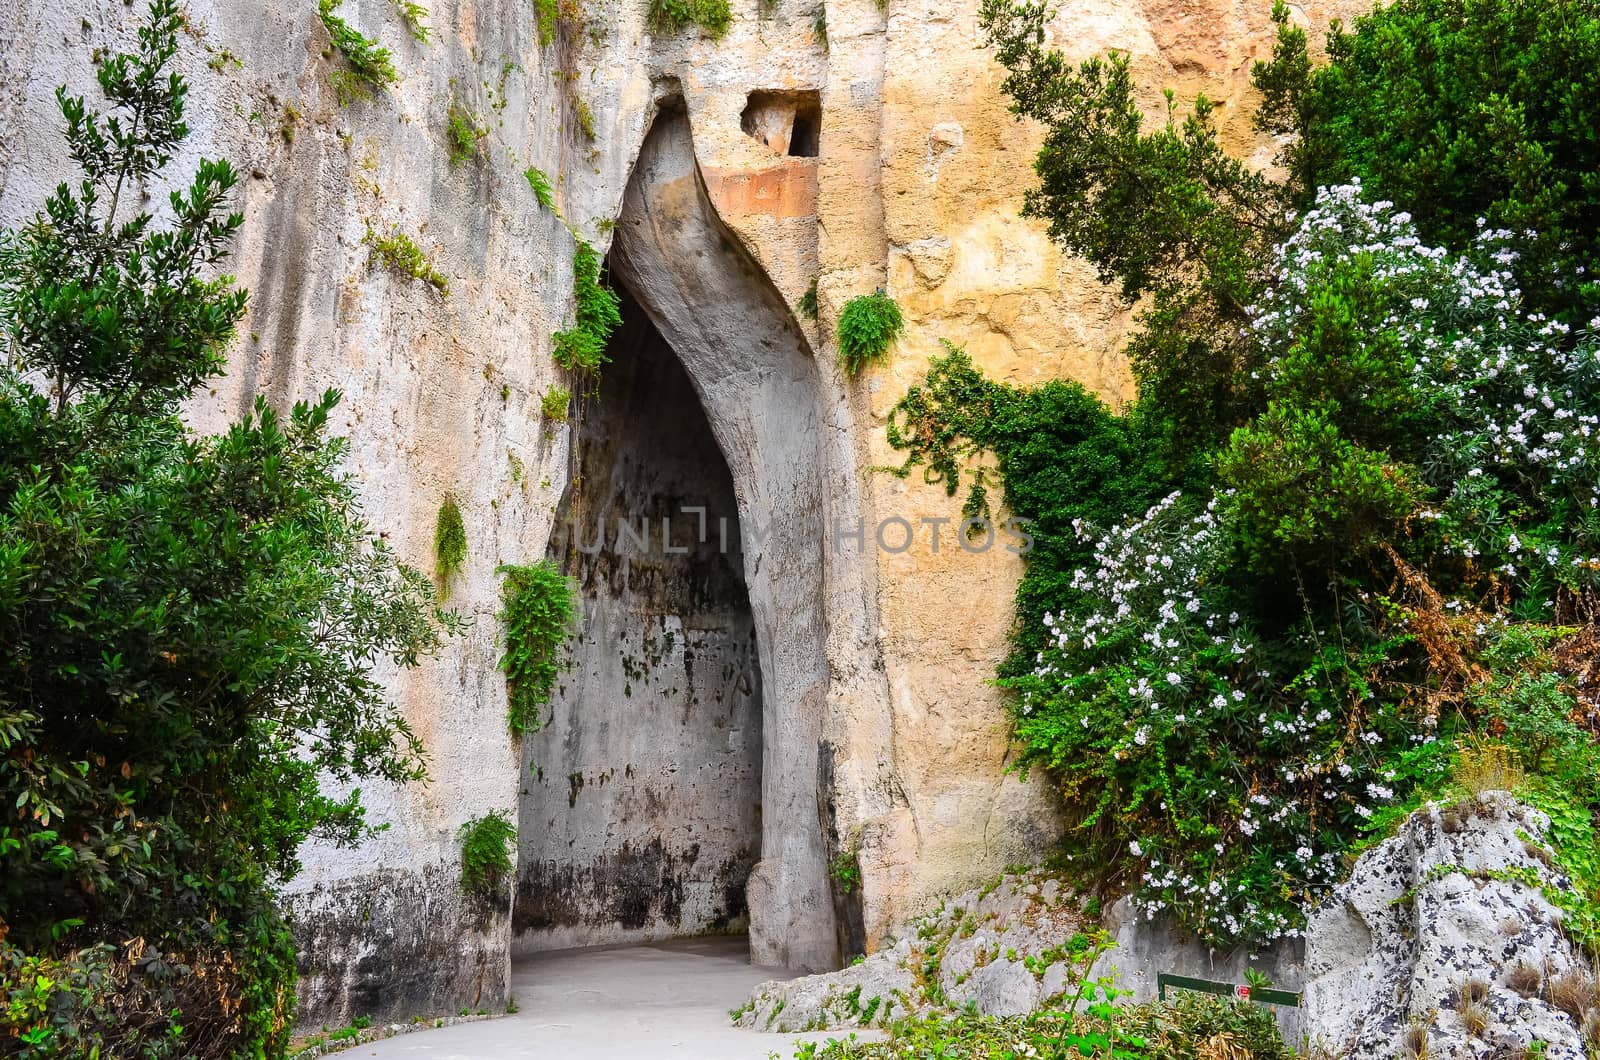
<point>789,121</point>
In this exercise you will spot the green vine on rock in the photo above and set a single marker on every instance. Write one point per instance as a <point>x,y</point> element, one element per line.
<point>449,542</point>
<point>371,65</point>
<point>486,853</point>
<point>465,133</point>
<point>867,325</point>
<point>672,16</point>
<point>582,347</point>
<point>539,606</point>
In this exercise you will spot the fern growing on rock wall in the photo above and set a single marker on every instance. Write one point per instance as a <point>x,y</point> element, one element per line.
<point>486,844</point>
<point>553,405</point>
<point>399,253</point>
<point>548,15</point>
<point>371,65</point>
<point>809,307</point>
<point>464,133</point>
<point>449,542</point>
<point>582,347</point>
<point>867,326</point>
<point>540,183</point>
<point>671,16</point>
<point>415,17</point>
<point>538,607</point>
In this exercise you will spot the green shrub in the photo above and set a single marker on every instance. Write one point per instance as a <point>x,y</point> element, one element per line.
<point>598,312</point>
<point>548,15</point>
<point>538,608</point>
<point>808,302</point>
<point>1062,456</point>
<point>671,16</point>
<point>371,65</point>
<point>486,846</point>
<point>415,17</point>
<point>540,185</point>
<point>1189,1026</point>
<point>553,405</point>
<point>192,622</point>
<point>399,253</point>
<point>465,133</point>
<point>1461,112</point>
<point>449,543</point>
<point>867,325</point>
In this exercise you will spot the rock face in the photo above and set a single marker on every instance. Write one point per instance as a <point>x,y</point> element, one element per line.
<point>1449,914</point>
<point>1440,927</point>
<point>1007,949</point>
<point>729,175</point>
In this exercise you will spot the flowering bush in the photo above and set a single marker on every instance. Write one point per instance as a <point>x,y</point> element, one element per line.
<point>1219,786</point>
<point>1426,368</point>
<point>1239,684</point>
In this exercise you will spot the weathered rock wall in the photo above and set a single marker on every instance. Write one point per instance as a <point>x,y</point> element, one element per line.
<point>880,733</point>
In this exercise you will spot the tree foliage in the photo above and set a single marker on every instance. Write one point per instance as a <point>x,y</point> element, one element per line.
<point>1162,212</point>
<point>190,624</point>
<point>1471,113</point>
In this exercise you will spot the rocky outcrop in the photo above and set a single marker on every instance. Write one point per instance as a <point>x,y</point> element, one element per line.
<point>1444,942</point>
<point>1005,949</point>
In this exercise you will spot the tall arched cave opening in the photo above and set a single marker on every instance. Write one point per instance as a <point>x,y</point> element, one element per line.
<point>640,813</point>
<point>678,785</point>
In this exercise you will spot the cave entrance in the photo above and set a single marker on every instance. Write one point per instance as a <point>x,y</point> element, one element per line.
<point>703,321</point>
<point>641,805</point>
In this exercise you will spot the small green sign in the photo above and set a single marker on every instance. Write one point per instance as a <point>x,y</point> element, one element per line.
<point>1244,992</point>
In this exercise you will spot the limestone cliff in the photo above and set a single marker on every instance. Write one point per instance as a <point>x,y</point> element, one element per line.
<point>730,173</point>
